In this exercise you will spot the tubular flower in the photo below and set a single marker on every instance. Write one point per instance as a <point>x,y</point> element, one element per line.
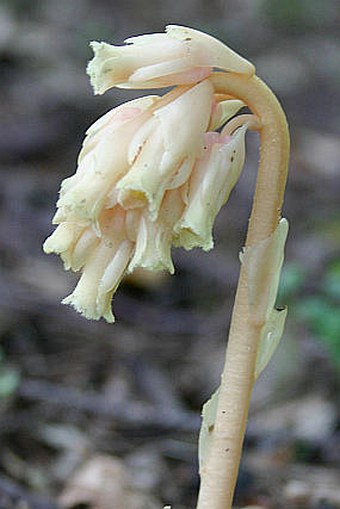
<point>152,173</point>
<point>162,153</point>
<point>210,184</point>
<point>180,56</point>
<point>102,161</point>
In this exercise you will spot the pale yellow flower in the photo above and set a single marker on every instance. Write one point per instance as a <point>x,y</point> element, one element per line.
<point>109,226</point>
<point>103,260</point>
<point>154,239</point>
<point>152,173</point>
<point>102,161</point>
<point>179,56</point>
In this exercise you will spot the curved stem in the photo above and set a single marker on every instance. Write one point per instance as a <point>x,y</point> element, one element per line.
<point>274,151</point>
<point>219,472</point>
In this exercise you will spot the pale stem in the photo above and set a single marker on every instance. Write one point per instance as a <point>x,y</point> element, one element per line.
<point>219,473</point>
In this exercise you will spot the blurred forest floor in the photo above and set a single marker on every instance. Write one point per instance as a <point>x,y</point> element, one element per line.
<point>98,416</point>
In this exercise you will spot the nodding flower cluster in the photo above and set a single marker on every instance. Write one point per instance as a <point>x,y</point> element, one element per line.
<point>154,172</point>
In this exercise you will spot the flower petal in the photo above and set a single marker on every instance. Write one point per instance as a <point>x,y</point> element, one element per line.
<point>167,74</point>
<point>103,268</point>
<point>84,296</point>
<point>113,65</point>
<point>82,250</point>
<point>211,182</point>
<point>154,238</point>
<point>62,238</point>
<point>111,278</point>
<point>184,121</point>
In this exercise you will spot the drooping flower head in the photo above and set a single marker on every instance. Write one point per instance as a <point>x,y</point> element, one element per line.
<point>152,173</point>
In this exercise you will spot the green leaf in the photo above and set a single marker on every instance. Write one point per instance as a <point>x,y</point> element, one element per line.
<point>331,282</point>
<point>9,381</point>
<point>292,278</point>
<point>323,318</point>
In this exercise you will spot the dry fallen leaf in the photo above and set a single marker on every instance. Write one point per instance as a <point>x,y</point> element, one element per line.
<point>104,483</point>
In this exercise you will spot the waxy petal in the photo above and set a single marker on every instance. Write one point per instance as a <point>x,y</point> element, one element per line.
<point>62,238</point>
<point>113,65</point>
<point>103,269</point>
<point>154,238</point>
